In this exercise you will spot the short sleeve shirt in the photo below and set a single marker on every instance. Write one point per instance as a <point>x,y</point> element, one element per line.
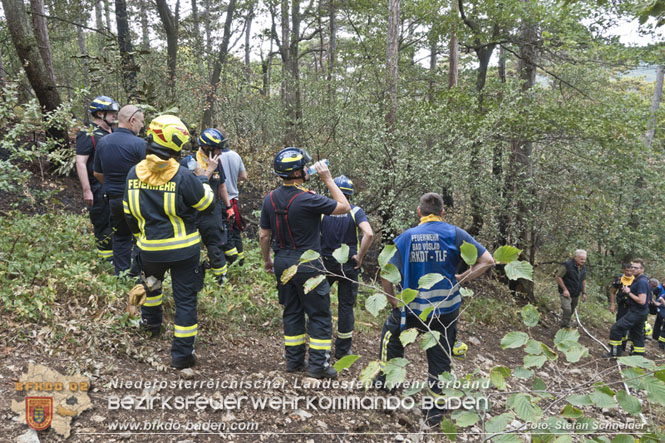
<point>233,166</point>
<point>86,144</point>
<point>304,218</point>
<point>116,154</point>
<point>341,229</point>
<point>640,286</point>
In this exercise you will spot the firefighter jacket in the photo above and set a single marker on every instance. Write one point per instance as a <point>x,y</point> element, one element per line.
<point>161,201</point>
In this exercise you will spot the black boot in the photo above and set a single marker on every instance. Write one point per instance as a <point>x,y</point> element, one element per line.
<point>615,351</point>
<point>328,372</point>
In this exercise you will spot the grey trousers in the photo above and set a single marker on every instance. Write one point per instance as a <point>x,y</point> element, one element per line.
<point>568,305</point>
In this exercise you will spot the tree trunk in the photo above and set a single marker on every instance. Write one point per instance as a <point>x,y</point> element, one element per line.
<point>170,23</point>
<point>332,48</point>
<point>3,74</point>
<point>453,57</point>
<point>129,68</point>
<point>107,13</point>
<point>145,31</point>
<point>392,58</point>
<point>81,41</point>
<point>655,104</point>
<point>220,61</point>
<point>41,34</point>
<point>208,27</point>
<point>248,35</point>
<point>99,24</point>
<point>31,60</point>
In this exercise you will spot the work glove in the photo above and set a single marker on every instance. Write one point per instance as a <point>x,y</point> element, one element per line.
<point>230,214</point>
<point>137,296</point>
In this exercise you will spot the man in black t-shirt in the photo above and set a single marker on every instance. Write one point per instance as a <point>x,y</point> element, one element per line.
<point>291,222</point>
<point>104,112</point>
<point>638,308</point>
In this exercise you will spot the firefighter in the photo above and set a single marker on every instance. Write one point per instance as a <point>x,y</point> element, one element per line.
<point>632,322</point>
<point>431,247</point>
<point>104,113</point>
<point>291,222</point>
<point>335,231</point>
<point>161,201</point>
<point>211,222</point>
<point>618,300</point>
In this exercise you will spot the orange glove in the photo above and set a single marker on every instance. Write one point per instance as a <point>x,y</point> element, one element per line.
<point>230,213</point>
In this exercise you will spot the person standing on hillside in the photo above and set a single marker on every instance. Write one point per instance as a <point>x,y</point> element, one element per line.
<point>211,223</point>
<point>291,223</point>
<point>659,301</point>
<point>657,291</point>
<point>431,247</point>
<point>618,300</point>
<point>632,322</point>
<point>234,169</point>
<point>116,154</point>
<point>571,281</point>
<point>104,112</point>
<point>160,202</point>
<point>335,231</point>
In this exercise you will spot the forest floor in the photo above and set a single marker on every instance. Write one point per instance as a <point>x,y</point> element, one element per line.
<point>244,360</point>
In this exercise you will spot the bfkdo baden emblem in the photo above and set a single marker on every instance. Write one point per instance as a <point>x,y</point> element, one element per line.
<point>39,412</point>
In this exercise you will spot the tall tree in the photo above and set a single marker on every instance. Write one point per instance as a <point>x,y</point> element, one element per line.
<point>655,104</point>
<point>392,61</point>
<point>145,32</point>
<point>99,23</point>
<point>170,22</point>
<point>220,61</point>
<point>41,34</point>
<point>129,68</point>
<point>453,44</point>
<point>27,50</point>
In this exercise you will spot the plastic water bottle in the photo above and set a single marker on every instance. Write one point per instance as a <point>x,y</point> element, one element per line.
<point>191,163</point>
<point>312,170</point>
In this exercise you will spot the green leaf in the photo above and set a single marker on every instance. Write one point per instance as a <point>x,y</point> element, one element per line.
<point>623,438</point>
<point>395,371</point>
<point>341,254</point>
<point>429,280</point>
<point>514,340</point>
<point>506,254</point>
<point>407,296</point>
<point>449,429</point>
<point>602,387</point>
<point>430,338</point>
<point>530,315</point>
<point>498,376</point>
<point>564,439</point>
<point>309,255</point>
<point>466,418</point>
<point>386,254</point>
<point>391,273</point>
<point>570,411</point>
<point>346,362</point>
<point>375,303</point>
<point>409,336</point>
<point>313,282</point>
<point>586,425</point>
<point>369,372</point>
<point>579,400</point>
<point>534,361</point>
<point>469,253</point>
<point>655,389</point>
<point>637,361</point>
<point>629,403</point>
<point>533,347</point>
<point>519,269</point>
<point>498,423</point>
<point>423,315</point>
<point>522,373</point>
<point>413,389</point>
<point>288,274</point>
<point>602,400</point>
<point>575,353</point>
<point>549,352</point>
<point>539,384</point>
<point>565,338</point>
<point>633,377</point>
<point>526,409</point>
<point>466,292</point>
